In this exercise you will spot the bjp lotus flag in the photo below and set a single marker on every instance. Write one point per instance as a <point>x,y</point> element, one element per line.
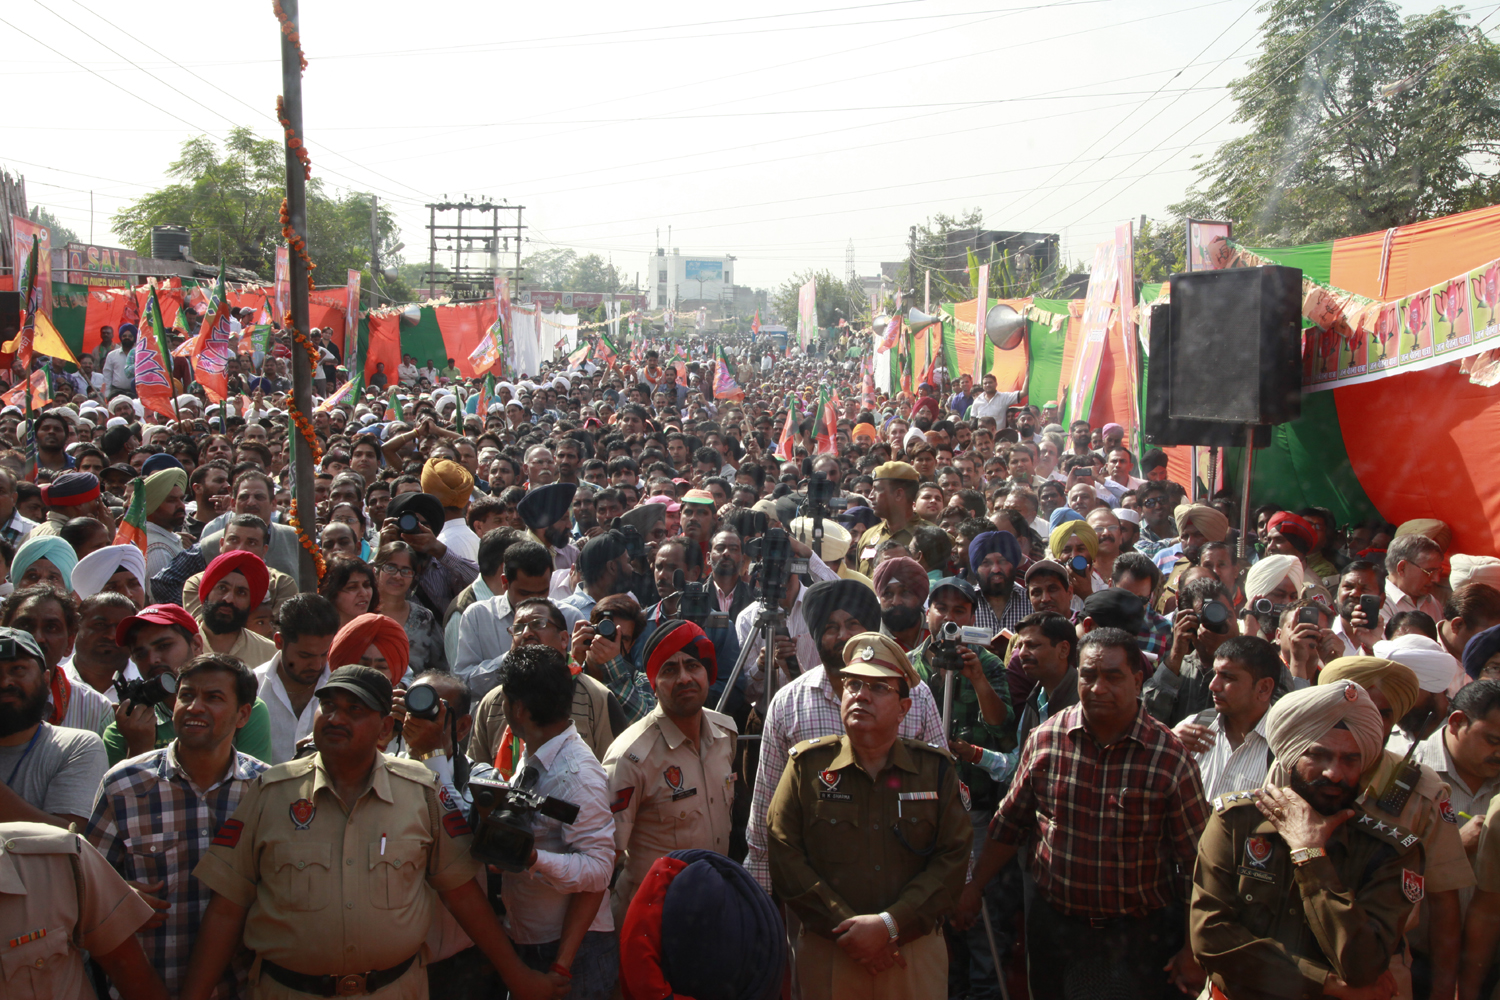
<point>41,392</point>
<point>153,381</point>
<point>789,432</point>
<point>132,530</point>
<point>825,423</point>
<point>215,341</point>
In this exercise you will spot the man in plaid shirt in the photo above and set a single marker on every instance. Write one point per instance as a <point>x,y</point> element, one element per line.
<point>1111,806</point>
<point>157,813</point>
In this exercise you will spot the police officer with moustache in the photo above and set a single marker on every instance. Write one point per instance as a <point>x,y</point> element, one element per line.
<point>894,496</point>
<point>1297,891</point>
<point>671,774</point>
<point>332,866</point>
<point>869,841</point>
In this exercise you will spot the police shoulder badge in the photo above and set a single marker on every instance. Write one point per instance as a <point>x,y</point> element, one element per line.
<point>1445,810</point>
<point>673,775</point>
<point>964,797</point>
<point>1257,851</point>
<point>1411,884</point>
<point>830,791</point>
<point>302,812</point>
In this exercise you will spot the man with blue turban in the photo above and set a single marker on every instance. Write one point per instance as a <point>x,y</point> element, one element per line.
<point>996,561</point>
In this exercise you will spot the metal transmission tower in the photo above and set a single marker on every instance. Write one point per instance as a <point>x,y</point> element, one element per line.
<point>849,276</point>
<point>485,239</point>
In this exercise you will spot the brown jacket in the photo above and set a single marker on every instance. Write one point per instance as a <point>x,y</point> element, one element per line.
<point>1266,929</point>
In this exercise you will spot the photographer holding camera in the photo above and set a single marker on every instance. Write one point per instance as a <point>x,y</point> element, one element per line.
<point>553,907</point>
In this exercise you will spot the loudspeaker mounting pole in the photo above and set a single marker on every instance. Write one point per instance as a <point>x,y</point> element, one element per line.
<point>1245,493</point>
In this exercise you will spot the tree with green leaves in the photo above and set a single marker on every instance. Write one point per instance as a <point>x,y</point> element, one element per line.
<point>834,299</point>
<point>561,269</point>
<point>229,199</point>
<point>61,234</point>
<point>1360,120</point>
<point>1160,249</point>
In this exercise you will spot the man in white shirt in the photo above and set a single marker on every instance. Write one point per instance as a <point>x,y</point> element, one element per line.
<point>1229,741</point>
<point>553,911</point>
<point>990,403</point>
<point>407,371</point>
<point>484,631</point>
<point>1413,564</point>
<point>1118,463</point>
<point>305,627</point>
<point>117,377</point>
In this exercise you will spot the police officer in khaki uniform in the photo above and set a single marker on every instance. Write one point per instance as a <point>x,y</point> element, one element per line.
<point>1414,797</point>
<point>332,866</point>
<point>59,898</point>
<point>894,495</point>
<point>671,775</point>
<point>1297,891</point>
<point>869,842</point>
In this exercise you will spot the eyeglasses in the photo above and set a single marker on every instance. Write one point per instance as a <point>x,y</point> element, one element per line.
<point>1153,501</point>
<point>391,569</point>
<point>537,625</point>
<point>857,686</point>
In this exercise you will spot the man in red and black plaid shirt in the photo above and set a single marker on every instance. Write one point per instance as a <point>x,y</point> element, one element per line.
<point>1111,806</point>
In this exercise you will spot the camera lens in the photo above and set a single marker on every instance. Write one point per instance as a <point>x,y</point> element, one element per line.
<point>408,523</point>
<point>168,682</point>
<point>1080,564</point>
<point>422,701</point>
<point>606,628</point>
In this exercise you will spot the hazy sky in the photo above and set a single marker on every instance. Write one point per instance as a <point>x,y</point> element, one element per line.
<point>773,131</point>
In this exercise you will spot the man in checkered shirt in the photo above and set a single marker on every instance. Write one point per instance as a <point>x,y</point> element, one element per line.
<point>157,813</point>
<point>1111,807</point>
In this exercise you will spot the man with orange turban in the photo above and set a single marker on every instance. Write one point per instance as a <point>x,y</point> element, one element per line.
<point>375,641</point>
<point>233,586</point>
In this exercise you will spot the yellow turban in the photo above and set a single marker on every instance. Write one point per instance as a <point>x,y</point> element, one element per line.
<point>1302,718</point>
<point>1397,682</point>
<point>1214,525</point>
<point>1431,527</point>
<point>159,485</point>
<point>450,482</point>
<point>1066,530</point>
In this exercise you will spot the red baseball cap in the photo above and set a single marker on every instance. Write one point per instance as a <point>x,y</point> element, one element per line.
<point>156,614</point>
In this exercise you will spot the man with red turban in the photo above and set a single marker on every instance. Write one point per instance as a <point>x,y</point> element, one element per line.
<point>671,774</point>
<point>233,586</point>
<point>375,641</point>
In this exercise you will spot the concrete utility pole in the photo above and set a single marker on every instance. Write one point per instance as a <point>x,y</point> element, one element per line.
<point>374,249</point>
<point>296,204</point>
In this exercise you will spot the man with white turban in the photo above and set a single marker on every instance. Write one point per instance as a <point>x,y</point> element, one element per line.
<point>118,568</point>
<point>1436,671</point>
<point>1411,795</point>
<point>1297,891</point>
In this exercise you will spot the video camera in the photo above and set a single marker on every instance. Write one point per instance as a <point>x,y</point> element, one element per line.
<point>773,555</point>
<point>946,652</point>
<point>147,691</point>
<point>695,603</point>
<point>501,817</point>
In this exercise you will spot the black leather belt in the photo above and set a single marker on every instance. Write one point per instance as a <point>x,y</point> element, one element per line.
<point>358,984</point>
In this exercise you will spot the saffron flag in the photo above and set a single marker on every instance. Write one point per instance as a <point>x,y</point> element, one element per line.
<point>132,530</point>
<point>343,395</point>
<point>725,387</point>
<point>488,351</point>
<point>609,353</point>
<point>579,356</point>
<point>21,345</point>
<point>41,391</point>
<point>825,424</point>
<point>755,323</point>
<point>213,346</point>
<point>46,340</point>
<point>789,431</point>
<point>153,381</point>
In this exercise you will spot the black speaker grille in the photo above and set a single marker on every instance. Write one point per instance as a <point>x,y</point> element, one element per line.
<point>1216,361</point>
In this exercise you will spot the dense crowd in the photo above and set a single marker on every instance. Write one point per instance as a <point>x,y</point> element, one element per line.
<point>717,672</point>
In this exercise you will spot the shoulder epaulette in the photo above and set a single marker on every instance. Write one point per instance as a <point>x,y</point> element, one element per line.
<point>288,770</point>
<point>1231,800</point>
<point>913,743</point>
<point>1397,836</point>
<point>39,838</point>
<point>722,721</point>
<point>806,745</point>
<point>412,770</point>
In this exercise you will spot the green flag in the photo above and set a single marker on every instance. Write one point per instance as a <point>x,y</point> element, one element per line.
<point>395,404</point>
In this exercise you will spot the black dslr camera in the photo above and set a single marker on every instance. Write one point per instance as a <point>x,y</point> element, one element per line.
<point>147,691</point>
<point>501,820</point>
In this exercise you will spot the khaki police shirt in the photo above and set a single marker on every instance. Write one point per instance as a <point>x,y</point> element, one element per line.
<point>58,899</point>
<point>668,794</point>
<point>1487,855</point>
<point>1266,929</point>
<point>842,843</point>
<point>1429,815</point>
<point>871,541</point>
<point>336,890</point>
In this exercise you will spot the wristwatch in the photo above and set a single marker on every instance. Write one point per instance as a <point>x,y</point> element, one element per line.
<point>890,926</point>
<point>1303,855</point>
<point>439,752</point>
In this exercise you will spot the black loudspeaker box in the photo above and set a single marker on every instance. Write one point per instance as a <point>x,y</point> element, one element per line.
<point>10,316</point>
<point>1235,344</point>
<point>1164,430</point>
